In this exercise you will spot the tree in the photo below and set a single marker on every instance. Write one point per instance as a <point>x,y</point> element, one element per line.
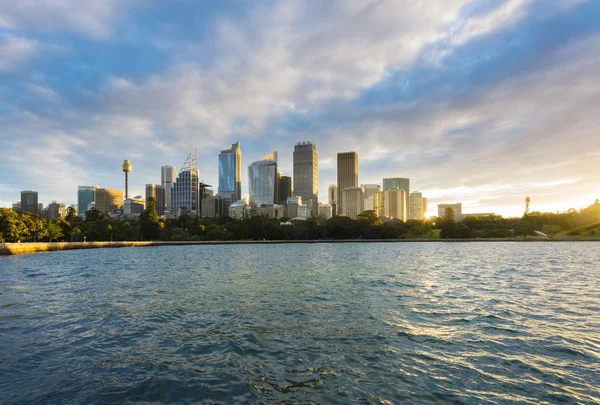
<point>93,215</point>
<point>71,216</point>
<point>370,217</point>
<point>149,221</point>
<point>53,231</point>
<point>551,230</point>
<point>448,224</point>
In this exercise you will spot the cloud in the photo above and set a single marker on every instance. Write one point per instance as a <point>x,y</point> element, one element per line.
<point>507,102</point>
<point>14,51</point>
<point>44,93</point>
<point>90,18</point>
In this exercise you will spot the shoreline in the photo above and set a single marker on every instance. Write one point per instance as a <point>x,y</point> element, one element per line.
<point>7,249</point>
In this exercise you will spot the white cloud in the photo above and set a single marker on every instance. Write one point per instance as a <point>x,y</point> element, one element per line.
<point>90,18</point>
<point>14,51</point>
<point>44,93</point>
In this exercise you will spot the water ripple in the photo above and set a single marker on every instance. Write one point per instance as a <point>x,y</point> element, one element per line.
<point>462,323</point>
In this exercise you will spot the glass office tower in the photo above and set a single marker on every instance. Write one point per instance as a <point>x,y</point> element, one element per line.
<point>230,172</point>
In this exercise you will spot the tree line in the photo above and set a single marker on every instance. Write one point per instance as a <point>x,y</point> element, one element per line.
<point>26,227</point>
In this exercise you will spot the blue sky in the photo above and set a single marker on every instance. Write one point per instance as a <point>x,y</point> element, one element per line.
<point>483,102</point>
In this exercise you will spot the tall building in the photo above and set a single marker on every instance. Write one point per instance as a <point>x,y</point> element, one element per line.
<point>353,201</point>
<point>325,211</point>
<point>456,207</point>
<point>394,203</point>
<point>401,183</point>
<point>416,206</point>
<point>230,172</point>
<point>55,211</point>
<point>372,194</point>
<point>306,174</point>
<point>425,205</point>
<point>168,175</point>
<point>262,177</point>
<point>108,200</point>
<point>347,176</point>
<point>185,192</point>
<point>29,202</point>
<point>85,196</point>
<point>286,188</point>
<point>332,196</point>
<point>158,192</point>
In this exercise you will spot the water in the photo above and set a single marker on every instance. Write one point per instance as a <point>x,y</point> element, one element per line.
<point>428,323</point>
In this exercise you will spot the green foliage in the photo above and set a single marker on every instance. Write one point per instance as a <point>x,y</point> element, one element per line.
<point>25,227</point>
<point>370,217</point>
<point>149,221</point>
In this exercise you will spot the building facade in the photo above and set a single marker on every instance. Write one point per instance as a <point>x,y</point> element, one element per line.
<point>456,207</point>
<point>332,197</point>
<point>372,193</point>
<point>352,201</point>
<point>286,188</point>
<point>168,176</point>
<point>85,195</point>
<point>416,209</point>
<point>325,211</point>
<point>158,192</point>
<point>306,174</point>
<point>55,211</point>
<point>347,176</point>
<point>29,202</point>
<point>185,194</point>
<point>133,206</point>
<point>108,200</point>
<point>394,204</point>
<point>230,172</point>
<point>262,178</point>
<point>401,183</point>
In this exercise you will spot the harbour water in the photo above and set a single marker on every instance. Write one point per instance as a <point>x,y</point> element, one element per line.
<point>423,323</point>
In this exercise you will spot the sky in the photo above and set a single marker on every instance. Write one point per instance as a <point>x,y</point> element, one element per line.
<point>482,102</point>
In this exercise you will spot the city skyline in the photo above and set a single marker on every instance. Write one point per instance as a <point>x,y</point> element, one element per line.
<point>481,106</point>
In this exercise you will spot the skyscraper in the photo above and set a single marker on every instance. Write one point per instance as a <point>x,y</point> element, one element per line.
<point>158,192</point>
<point>401,183</point>
<point>29,202</point>
<point>85,196</point>
<point>167,178</point>
<point>286,188</point>
<point>262,177</point>
<point>416,206</point>
<point>347,176</point>
<point>108,200</point>
<point>352,201</point>
<point>230,172</point>
<point>394,203</point>
<point>371,196</point>
<point>332,194</point>
<point>185,191</point>
<point>185,194</point>
<point>306,174</point>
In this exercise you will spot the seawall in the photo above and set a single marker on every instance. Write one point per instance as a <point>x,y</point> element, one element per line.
<point>24,248</point>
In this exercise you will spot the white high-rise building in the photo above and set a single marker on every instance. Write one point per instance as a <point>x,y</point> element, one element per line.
<point>394,203</point>
<point>352,201</point>
<point>416,206</point>
<point>371,195</point>
<point>167,178</point>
